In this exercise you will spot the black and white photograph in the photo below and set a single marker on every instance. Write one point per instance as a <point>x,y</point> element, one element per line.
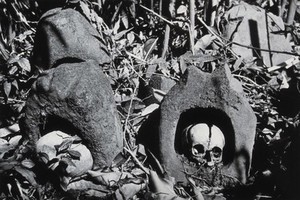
<point>149,99</point>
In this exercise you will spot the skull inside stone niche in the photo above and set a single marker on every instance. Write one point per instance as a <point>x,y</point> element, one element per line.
<point>205,143</point>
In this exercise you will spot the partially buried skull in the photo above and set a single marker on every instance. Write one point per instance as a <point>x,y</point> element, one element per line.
<point>57,148</point>
<point>205,143</point>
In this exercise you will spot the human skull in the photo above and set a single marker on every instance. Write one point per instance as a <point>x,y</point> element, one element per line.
<point>47,152</point>
<point>205,143</point>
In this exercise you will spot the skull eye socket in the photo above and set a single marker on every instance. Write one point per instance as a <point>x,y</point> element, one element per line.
<point>216,152</point>
<point>199,149</point>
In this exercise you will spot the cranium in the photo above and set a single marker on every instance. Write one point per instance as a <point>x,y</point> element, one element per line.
<point>205,143</point>
<point>48,154</point>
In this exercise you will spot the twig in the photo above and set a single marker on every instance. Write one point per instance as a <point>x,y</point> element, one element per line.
<point>248,79</point>
<point>268,50</point>
<point>151,48</point>
<point>128,115</point>
<point>192,25</point>
<point>137,161</point>
<point>134,56</point>
<point>166,41</point>
<point>157,15</point>
<point>12,100</point>
<point>217,36</point>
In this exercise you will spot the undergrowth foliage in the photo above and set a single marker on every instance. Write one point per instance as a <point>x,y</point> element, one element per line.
<point>144,39</point>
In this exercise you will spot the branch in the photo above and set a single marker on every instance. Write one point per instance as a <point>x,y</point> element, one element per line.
<point>192,24</point>
<point>157,15</point>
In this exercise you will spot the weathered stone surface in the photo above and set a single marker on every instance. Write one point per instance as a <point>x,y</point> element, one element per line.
<point>76,98</point>
<point>64,35</point>
<point>251,26</point>
<point>203,98</point>
<point>154,92</point>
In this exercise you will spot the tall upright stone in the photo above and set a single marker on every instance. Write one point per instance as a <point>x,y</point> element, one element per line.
<point>65,35</point>
<point>201,97</point>
<point>251,26</point>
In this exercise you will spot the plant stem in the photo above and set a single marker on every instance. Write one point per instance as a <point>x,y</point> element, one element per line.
<point>292,12</point>
<point>157,15</point>
<point>166,41</point>
<point>192,25</point>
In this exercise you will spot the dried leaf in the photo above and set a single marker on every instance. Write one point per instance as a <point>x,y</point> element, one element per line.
<point>284,83</point>
<point>13,70</point>
<point>149,109</point>
<point>107,178</point>
<point>64,182</point>
<point>20,188</point>
<point>127,191</point>
<point>182,10</point>
<point>130,37</point>
<point>204,42</point>
<point>151,69</point>
<point>14,141</point>
<point>116,29</point>
<point>85,9</point>
<point>197,192</point>
<point>149,46</point>
<point>13,59</point>
<point>74,154</point>
<point>162,187</point>
<point>27,174</point>
<point>6,131</point>
<point>66,144</point>
<point>67,161</point>
<point>44,157</point>
<point>15,84</point>
<point>237,63</point>
<point>125,21</point>
<point>24,64</point>
<point>119,35</point>
<point>76,139</point>
<point>27,163</point>
<point>7,88</point>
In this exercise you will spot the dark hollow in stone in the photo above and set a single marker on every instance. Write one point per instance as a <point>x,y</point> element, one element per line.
<point>208,116</point>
